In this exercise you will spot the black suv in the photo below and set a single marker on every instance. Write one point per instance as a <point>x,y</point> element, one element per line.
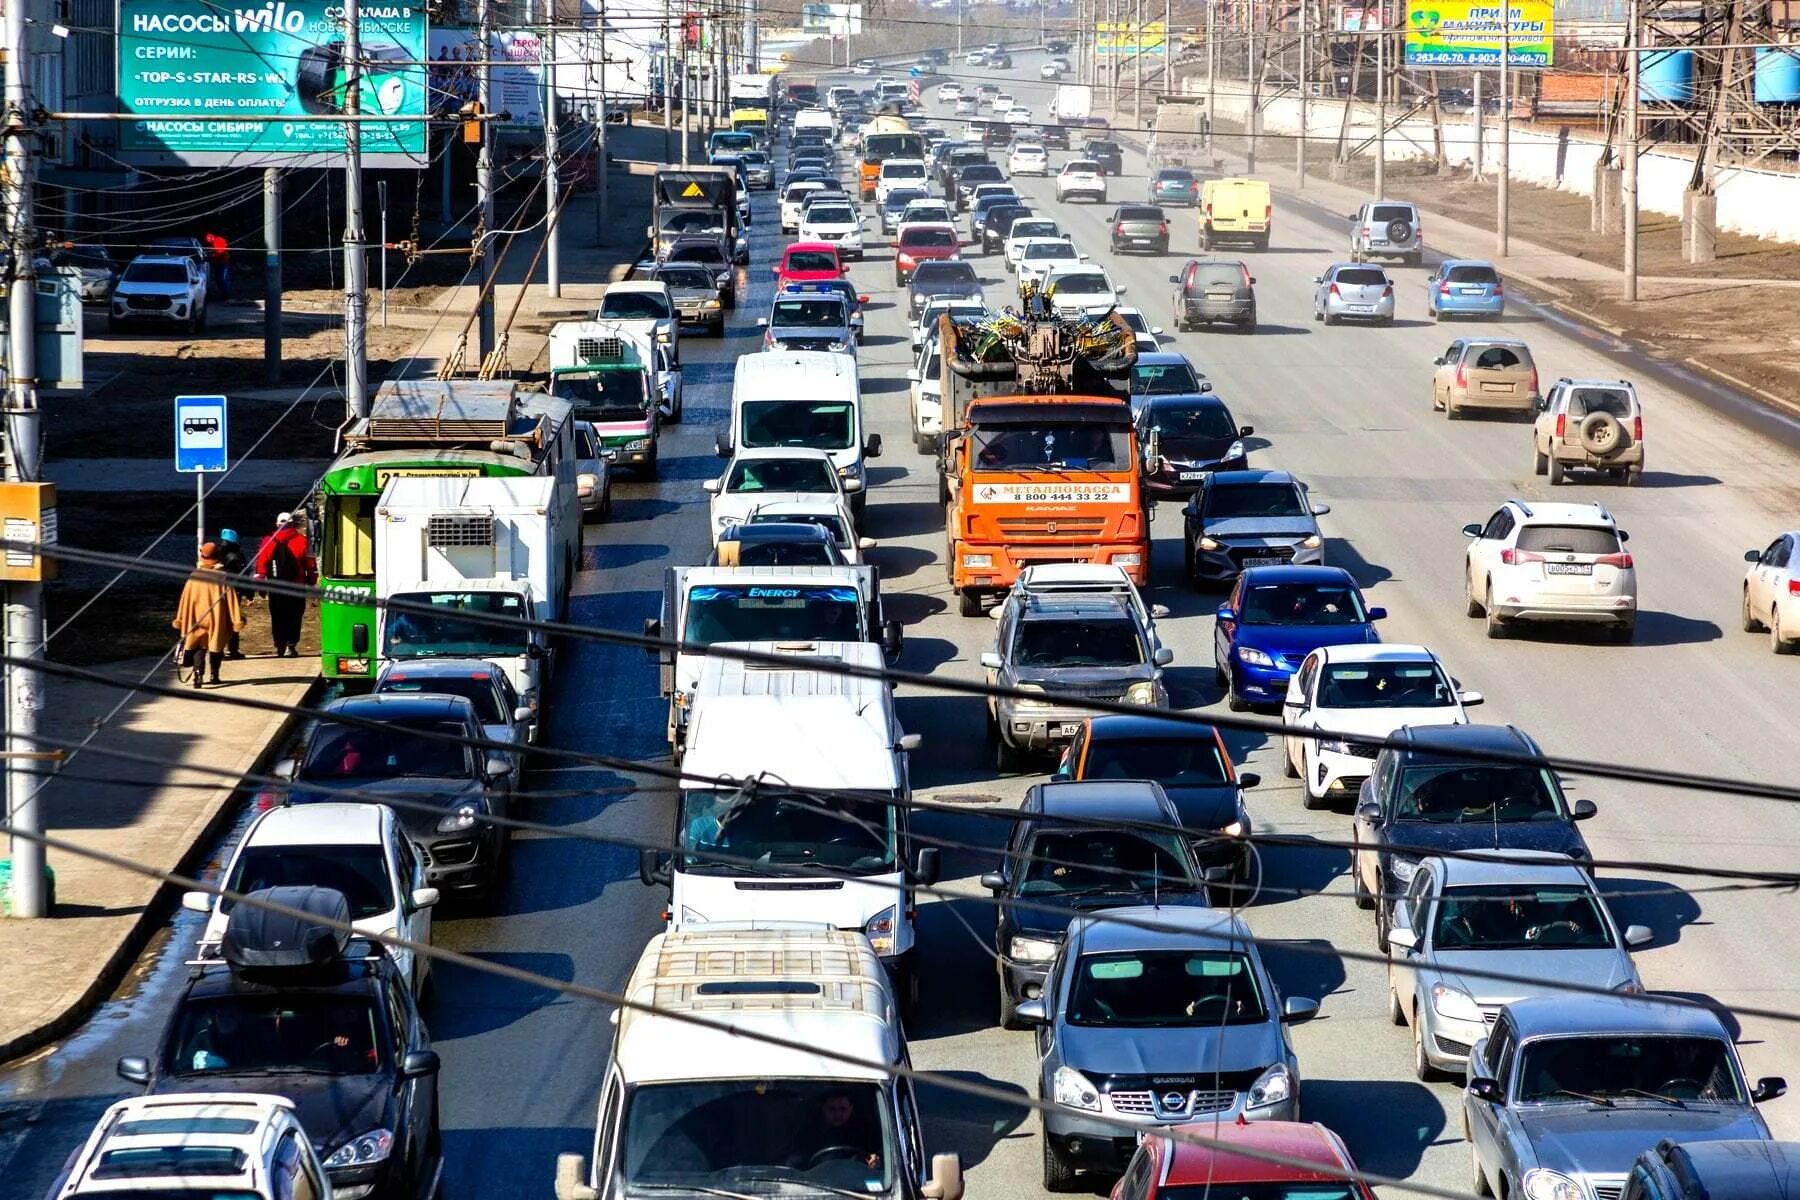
<point>1445,791</point>
<point>1075,848</point>
<point>996,224</point>
<point>1107,153</point>
<point>300,1008</point>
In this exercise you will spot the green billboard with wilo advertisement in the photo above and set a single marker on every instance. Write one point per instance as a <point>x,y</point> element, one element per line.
<point>211,84</point>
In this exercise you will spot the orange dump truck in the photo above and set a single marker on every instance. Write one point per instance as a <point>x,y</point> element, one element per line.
<point>884,137</point>
<point>1039,462</point>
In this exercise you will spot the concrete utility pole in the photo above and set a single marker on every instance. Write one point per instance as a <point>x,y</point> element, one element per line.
<point>484,175</point>
<point>1503,196</point>
<point>686,95</point>
<point>1381,37</point>
<point>1305,98</point>
<point>356,260</point>
<point>1254,67</point>
<point>271,276</point>
<point>1137,63</point>
<point>552,161</point>
<point>1629,182</point>
<point>1212,70</point>
<point>24,601</point>
<point>600,172</point>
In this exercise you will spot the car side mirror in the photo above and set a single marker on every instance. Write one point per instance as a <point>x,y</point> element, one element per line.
<point>1472,529</point>
<point>1158,611</point>
<point>1378,613</point>
<point>775,273</point>
<point>1353,217</point>
<point>993,881</point>
<point>1483,1088</point>
<point>1583,810</point>
<point>1253,281</point>
<point>417,1064</point>
<point>1753,556</point>
<point>420,899</point>
<point>1769,1087</point>
<point>200,902</point>
<point>653,867</point>
<point>711,486</point>
<point>867,543</point>
<point>1318,279</point>
<point>1246,430</point>
<point>1370,812</point>
<point>1163,656</point>
<point>1174,279</point>
<point>990,660</point>
<point>287,768</point>
<point>928,866</point>
<point>1319,510</point>
<point>1120,290</point>
<point>853,485</point>
<point>1296,1009</point>
<point>1639,935</point>
<point>1402,938</point>
<point>1470,698</point>
<point>1623,536</point>
<point>872,447</point>
<point>496,766</point>
<point>1248,779</point>
<point>1032,1012</point>
<point>946,1182</point>
<point>134,1068</point>
<point>1224,613</point>
<point>762,322</point>
<point>1157,330</point>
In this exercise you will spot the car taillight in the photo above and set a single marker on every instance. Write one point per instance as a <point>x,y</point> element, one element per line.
<point>1622,560</point>
<point>1209,210</point>
<point>1119,228</point>
<point>1334,290</point>
<point>1444,288</point>
<point>1163,228</point>
<point>1268,211</point>
<point>1562,425</point>
<point>1245,272</point>
<point>1637,429</point>
<point>1387,292</point>
<point>1462,380</point>
<point>1794,587</point>
<point>1499,290</point>
<point>1534,381</point>
<point>1513,558</point>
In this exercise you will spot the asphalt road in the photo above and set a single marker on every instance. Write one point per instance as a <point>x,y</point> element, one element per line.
<point>1348,409</point>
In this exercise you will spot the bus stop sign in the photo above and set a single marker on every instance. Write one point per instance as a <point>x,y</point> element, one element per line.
<point>199,434</point>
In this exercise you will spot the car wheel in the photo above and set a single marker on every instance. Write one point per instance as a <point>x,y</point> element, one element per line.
<point>1477,1177</point>
<point>1358,888</point>
<point>1634,476</point>
<point>1471,606</point>
<point>1287,762</point>
<point>1328,318</point>
<point>1556,472</point>
<point>1496,628</point>
<point>1451,412</point>
<point>1540,463</point>
<point>1396,1013</point>
<point>1751,624</point>
<point>1220,679</point>
<point>1436,316</point>
<point>1422,1065</point>
<point>1383,922</point>
<point>1007,758</point>
<point>1059,1172</point>
<point>1233,701</point>
<point>1776,644</point>
<point>1317,315</point>
<point>1009,1010</point>
<point>968,602</point>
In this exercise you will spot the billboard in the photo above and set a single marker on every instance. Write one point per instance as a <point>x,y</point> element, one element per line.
<point>1457,33</point>
<point>831,20</point>
<point>198,74</point>
<point>518,73</point>
<point>1129,38</point>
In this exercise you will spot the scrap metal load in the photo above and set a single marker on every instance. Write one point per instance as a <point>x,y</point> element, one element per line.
<point>1036,353</point>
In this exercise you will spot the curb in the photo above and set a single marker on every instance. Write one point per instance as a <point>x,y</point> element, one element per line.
<point>163,903</point>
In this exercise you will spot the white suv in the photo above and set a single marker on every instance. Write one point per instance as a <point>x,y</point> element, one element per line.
<point>201,1144</point>
<point>161,287</point>
<point>1550,562</point>
<point>1081,177</point>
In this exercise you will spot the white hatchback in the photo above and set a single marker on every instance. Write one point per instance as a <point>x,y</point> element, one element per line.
<point>1028,159</point>
<point>1040,256</point>
<point>1550,562</point>
<point>1081,289</point>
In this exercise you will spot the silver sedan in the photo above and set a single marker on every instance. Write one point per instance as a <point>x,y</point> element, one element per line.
<point>1348,291</point>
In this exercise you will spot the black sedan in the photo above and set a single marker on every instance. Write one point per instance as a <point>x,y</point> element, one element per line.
<point>996,224</point>
<point>1183,438</point>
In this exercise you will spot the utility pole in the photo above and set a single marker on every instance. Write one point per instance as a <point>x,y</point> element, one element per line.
<point>484,176</point>
<point>552,161</point>
<point>1628,184</point>
<point>1503,197</point>
<point>24,601</point>
<point>1254,67</point>
<point>1212,70</point>
<point>1381,38</point>
<point>668,78</point>
<point>686,94</point>
<point>271,276</point>
<point>1137,65</point>
<point>1306,9</point>
<point>356,260</point>
<point>600,172</point>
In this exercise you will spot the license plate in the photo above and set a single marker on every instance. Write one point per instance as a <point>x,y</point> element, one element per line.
<point>1362,308</point>
<point>1568,568</point>
<point>1474,291</point>
<point>1185,475</point>
<point>1068,730</point>
<point>1144,241</point>
<point>1497,387</point>
<point>1264,562</point>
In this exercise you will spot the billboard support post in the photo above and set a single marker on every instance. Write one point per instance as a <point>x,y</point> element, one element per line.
<point>1381,109</point>
<point>271,276</point>
<point>356,259</point>
<point>1502,192</point>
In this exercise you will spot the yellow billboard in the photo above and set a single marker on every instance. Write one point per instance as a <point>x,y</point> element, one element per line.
<point>1458,33</point>
<point>1125,37</point>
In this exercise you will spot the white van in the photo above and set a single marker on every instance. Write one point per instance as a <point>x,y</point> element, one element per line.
<point>899,172</point>
<point>689,1108</point>
<point>816,732</point>
<point>814,118</point>
<point>802,399</point>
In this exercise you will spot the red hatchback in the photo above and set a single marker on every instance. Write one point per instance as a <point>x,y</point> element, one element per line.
<point>1165,1169</point>
<point>922,243</point>
<point>808,262</point>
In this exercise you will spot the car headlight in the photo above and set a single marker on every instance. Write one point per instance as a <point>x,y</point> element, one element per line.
<point>879,929</point>
<point>462,817</point>
<point>1235,829</point>
<point>1254,657</point>
<point>1127,560</point>
<point>1032,687</point>
<point>690,917</point>
<point>1208,544</point>
<point>1274,1086</point>
<point>371,1147</point>
<point>1071,1089</point>
<point>1454,1003</point>
<point>1032,949</point>
<point>1402,869</point>
<point>709,304</point>
<point>1540,1184</point>
<point>840,345</point>
<point>1334,745</point>
<point>1235,450</point>
<point>1313,542</point>
<point>983,561</point>
<point>1145,693</point>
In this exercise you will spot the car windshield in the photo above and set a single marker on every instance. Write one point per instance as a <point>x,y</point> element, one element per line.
<point>139,272</point>
<point>633,306</point>
<point>1362,276</point>
<point>822,313</point>
<point>477,688</point>
<point>1082,283</point>
<point>452,631</point>
<point>1087,642</point>
<point>772,830</point>
<point>1495,358</point>
<point>1165,988</point>
<point>690,278</point>
<point>1499,916</point>
<point>1174,175</point>
<point>781,475</point>
<point>411,749</point>
<point>784,552</point>
<point>916,213</point>
<point>250,1033</point>
<point>1074,862</point>
<point>759,1136</point>
<point>902,170</point>
<point>1173,762</point>
<point>698,252</point>
<point>834,525</point>
<point>1081,166</point>
<point>1063,447</point>
<point>604,395</point>
<point>1058,251</point>
<point>1616,401</point>
<point>1138,213</point>
<point>1385,685</point>
<point>931,274</point>
<point>1032,227</point>
<point>1163,379</point>
<point>1218,275</point>
<point>752,613</point>
<point>1192,421</point>
<point>899,198</point>
<point>1302,604</point>
<point>981,172</point>
<point>1464,793</point>
<point>1650,1068</point>
<point>359,872</point>
<point>1569,539</point>
<point>1228,500</point>
<point>815,424</point>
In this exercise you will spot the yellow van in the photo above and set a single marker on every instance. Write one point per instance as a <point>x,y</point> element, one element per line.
<point>1235,210</point>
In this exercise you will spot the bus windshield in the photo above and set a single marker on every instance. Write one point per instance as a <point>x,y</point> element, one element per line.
<point>879,147</point>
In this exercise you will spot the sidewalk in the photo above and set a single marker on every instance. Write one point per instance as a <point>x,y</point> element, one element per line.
<point>52,971</point>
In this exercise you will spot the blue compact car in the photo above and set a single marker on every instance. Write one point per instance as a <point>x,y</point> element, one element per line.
<point>1464,287</point>
<point>1275,617</point>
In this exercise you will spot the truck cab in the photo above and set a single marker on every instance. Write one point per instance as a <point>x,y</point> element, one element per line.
<point>617,377</point>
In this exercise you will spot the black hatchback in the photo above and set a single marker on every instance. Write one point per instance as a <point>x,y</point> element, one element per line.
<point>1107,153</point>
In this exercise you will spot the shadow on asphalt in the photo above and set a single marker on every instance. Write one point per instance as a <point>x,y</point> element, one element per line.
<point>1666,908</point>
<point>968,1125</point>
<point>897,562</point>
<point>1387,1124</point>
<point>1294,871</point>
<point>467,1002</point>
<point>1341,552</point>
<point>612,555</point>
<point>1307,967</point>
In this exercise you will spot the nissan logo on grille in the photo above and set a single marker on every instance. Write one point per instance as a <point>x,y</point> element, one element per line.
<point>1174,1100</point>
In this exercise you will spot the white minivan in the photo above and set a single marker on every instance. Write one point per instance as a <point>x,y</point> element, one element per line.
<point>802,399</point>
<point>695,1102</point>
<point>818,827</point>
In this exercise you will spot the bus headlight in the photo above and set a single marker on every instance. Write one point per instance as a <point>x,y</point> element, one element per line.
<point>879,929</point>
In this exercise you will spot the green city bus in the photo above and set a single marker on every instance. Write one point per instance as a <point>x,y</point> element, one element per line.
<point>419,427</point>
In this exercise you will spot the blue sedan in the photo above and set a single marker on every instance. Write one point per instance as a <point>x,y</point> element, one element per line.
<point>1274,618</point>
<point>1464,287</point>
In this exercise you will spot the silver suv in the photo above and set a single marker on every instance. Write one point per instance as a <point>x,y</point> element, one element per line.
<point>1387,229</point>
<point>1072,648</point>
<point>1595,423</point>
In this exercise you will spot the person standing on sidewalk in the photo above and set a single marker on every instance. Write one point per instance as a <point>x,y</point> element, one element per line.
<point>207,615</point>
<point>286,558</point>
<point>231,558</point>
<point>218,262</point>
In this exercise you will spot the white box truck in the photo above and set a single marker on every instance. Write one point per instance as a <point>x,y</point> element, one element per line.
<point>815,823</point>
<point>505,546</point>
<point>1072,104</point>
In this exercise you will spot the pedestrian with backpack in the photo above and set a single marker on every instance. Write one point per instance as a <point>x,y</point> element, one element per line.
<point>285,557</point>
